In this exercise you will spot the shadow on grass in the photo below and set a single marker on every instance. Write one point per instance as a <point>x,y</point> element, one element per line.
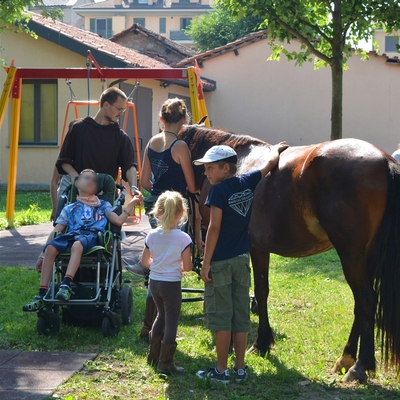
<point>326,264</point>
<point>277,381</point>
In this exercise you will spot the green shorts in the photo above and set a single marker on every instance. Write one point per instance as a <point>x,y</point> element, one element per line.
<point>226,297</point>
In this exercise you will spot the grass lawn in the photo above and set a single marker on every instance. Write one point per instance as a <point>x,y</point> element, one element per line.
<point>31,208</point>
<point>311,309</point>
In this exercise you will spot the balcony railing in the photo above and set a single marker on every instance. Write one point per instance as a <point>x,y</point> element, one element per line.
<point>179,35</point>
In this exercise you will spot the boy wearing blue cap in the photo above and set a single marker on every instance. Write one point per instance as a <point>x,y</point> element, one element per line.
<point>226,265</point>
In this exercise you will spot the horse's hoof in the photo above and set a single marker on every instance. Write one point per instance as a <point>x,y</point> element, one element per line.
<point>254,350</point>
<point>343,364</point>
<point>355,375</point>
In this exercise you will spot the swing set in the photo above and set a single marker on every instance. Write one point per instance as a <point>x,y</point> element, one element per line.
<point>13,87</point>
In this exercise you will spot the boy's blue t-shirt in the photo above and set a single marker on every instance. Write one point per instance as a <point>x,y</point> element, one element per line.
<point>234,197</point>
<point>78,216</point>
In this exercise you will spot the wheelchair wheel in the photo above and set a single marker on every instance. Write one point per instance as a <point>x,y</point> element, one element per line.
<point>126,301</point>
<point>48,324</point>
<point>108,328</point>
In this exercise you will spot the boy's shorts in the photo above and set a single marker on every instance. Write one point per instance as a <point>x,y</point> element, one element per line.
<point>226,297</point>
<point>65,241</point>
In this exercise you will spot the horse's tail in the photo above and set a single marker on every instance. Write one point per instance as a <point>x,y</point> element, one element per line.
<point>387,276</point>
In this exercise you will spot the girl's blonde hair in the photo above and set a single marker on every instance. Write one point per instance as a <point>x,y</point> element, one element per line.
<point>174,110</point>
<point>168,208</point>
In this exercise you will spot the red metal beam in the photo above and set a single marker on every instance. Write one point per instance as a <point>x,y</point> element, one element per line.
<point>108,73</point>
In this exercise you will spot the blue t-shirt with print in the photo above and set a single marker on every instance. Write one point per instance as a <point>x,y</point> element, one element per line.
<point>78,216</point>
<point>234,197</point>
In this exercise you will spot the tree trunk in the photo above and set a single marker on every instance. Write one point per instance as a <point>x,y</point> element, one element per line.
<point>337,72</point>
<point>337,99</point>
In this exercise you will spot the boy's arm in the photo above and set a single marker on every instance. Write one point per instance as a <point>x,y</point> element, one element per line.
<point>273,158</point>
<point>211,241</point>
<point>146,257</point>
<point>118,220</point>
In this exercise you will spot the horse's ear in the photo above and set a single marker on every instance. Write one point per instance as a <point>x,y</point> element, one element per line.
<point>202,120</point>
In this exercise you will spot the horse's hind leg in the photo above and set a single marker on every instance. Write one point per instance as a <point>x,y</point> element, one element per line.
<point>357,276</point>
<point>265,339</point>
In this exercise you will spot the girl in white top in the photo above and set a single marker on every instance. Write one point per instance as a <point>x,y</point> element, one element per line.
<point>167,254</point>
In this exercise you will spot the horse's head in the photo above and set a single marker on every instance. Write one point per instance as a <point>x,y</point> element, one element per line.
<point>200,138</point>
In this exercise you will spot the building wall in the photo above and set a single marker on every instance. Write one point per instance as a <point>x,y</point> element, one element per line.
<point>35,164</point>
<point>152,19</point>
<point>380,38</point>
<point>277,101</point>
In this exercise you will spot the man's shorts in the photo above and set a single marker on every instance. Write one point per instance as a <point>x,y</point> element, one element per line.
<point>226,297</point>
<point>65,241</point>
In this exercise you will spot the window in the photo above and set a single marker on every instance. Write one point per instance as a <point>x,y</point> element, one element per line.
<point>140,21</point>
<point>163,25</point>
<point>185,22</point>
<point>39,119</point>
<point>101,26</point>
<point>184,1</point>
<point>390,43</point>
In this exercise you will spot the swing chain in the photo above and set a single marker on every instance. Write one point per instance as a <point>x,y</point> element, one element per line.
<point>130,97</point>
<point>69,84</point>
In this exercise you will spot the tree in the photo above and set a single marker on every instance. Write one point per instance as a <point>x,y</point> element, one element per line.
<point>13,16</point>
<point>219,27</point>
<point>327,29</point>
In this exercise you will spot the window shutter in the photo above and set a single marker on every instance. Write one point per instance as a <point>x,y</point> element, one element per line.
<point>163,25</point>
<point>109,27</point>
<point>93,25</point>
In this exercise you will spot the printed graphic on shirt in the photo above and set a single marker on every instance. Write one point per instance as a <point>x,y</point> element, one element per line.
<point>158,167</point>
<point>241,201</point>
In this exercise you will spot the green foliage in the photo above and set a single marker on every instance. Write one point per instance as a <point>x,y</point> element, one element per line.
<point>323,26</point>
<point>219,27</point>
<point>31,208</point>
<point>12,13</point>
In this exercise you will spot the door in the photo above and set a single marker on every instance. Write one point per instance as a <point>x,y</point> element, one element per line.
<point>143,100</point>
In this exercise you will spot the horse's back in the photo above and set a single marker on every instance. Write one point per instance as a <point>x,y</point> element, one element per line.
<point>320,195</point>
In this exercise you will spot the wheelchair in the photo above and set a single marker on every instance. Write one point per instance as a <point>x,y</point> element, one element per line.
<point>99,291</point>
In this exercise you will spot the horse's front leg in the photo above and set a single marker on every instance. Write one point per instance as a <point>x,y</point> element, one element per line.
<point>265,338</point>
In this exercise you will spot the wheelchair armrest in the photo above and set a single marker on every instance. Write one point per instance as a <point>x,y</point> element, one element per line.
<point>120,200</point>
<point>62,201</point>
<point>100,237</point>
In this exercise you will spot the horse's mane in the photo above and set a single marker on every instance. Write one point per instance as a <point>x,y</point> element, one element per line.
<point>200,139</point>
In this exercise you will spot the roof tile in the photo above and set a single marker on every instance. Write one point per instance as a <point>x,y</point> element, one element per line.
<point>129,56</point>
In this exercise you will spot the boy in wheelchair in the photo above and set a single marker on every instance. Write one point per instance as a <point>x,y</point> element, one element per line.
<point>84,219</point>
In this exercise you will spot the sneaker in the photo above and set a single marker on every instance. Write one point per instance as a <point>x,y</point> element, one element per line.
<point>64,293</point>
<point>240,374</point>
<point>213,374</point>
<point>35,305</point>
<point>137,269</point>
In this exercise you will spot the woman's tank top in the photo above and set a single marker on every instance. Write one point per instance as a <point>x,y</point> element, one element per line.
<point>167,174</point>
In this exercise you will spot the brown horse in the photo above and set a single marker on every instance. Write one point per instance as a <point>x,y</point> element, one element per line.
<point>343,194</point>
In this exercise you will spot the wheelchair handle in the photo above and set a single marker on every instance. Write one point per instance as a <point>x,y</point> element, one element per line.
<point>121,199</point>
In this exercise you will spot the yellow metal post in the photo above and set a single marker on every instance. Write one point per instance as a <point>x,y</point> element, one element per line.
<point>5,96</point>
<point>194,100</point>
<point>13,157</point>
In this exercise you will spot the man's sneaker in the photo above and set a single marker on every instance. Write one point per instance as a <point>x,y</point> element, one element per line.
<point>240,374</point>
<point>64,293</point>
<point>213,374</point>
<point>137,269</point>
<point>35,305</point>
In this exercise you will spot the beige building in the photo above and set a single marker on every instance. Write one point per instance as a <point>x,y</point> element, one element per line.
<point>277,101</point>
<point>44,101</point>
<point>166,17</point>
